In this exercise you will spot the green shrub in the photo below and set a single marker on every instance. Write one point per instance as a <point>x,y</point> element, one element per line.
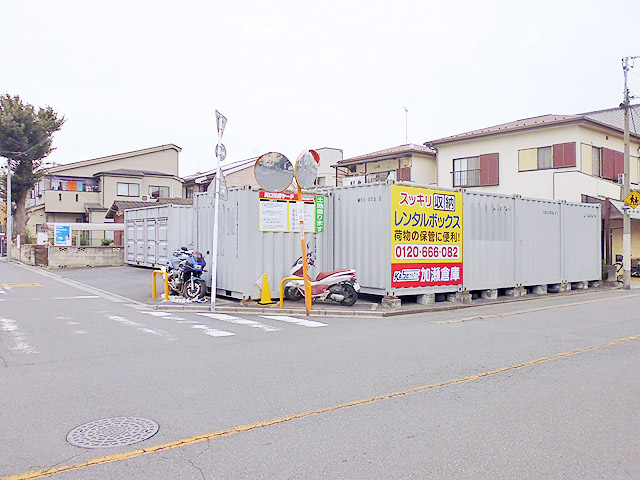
<point>105,242</point>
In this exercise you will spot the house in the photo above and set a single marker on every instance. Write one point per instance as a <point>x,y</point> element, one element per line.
<point>559,157</point>
<point>83,192</point>
<point>413,163</point>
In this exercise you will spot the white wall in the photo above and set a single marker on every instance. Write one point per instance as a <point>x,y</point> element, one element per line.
<point>547,184</point>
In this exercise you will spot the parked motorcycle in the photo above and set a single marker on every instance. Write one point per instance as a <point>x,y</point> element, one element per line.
<point>185,269</point>
<point>338,285</point>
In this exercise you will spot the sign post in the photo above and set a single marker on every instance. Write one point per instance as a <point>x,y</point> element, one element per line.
<point>221,153</point>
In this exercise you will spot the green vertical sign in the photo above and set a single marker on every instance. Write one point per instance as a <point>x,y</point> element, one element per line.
<point>319,213</point>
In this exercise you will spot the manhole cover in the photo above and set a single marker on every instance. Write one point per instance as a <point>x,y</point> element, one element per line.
<point>112,432</point>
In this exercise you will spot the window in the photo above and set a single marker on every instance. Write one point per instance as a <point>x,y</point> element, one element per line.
<point>128,190</point>
<point>553,156</point>
<point>156,191</point>
<point>189,192</point>
<point>476,171</point>
<point>596,161</point>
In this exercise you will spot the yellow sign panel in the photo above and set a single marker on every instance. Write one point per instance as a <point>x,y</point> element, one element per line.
<point>426,237</point>
<point>633,199</point>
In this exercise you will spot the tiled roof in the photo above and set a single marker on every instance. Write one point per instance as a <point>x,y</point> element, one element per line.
<point>612,117</point>
<point>227,169</point>
<point>394,152</point>
<point>522,124</point>
<point>615,117</point>
<point>133,173</point>
<point>119,206</point>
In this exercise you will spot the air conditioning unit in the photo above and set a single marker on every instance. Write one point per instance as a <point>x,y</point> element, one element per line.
<point>145,198</point>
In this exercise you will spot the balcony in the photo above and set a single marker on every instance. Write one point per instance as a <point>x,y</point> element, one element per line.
<point>70,202</point>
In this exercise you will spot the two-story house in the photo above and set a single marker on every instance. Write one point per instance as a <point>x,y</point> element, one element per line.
<point>559,157</point>
<point>83,192</point>
<point>411,163</point>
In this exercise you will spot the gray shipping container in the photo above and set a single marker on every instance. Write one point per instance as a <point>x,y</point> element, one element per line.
<point>244,252</point>
<point>153,233</point>
<point>508,241</point>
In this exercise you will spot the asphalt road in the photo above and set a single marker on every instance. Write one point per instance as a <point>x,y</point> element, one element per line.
<point>534,389</point>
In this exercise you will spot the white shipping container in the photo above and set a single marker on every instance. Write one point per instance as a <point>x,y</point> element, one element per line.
<point>152,233</point>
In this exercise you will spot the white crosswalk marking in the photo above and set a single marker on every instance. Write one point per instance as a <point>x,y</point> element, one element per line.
<point>239,321</point>
<point>212,332</point>
<point>141,327</point>
<point>18,338</point>
<point>294,320</point>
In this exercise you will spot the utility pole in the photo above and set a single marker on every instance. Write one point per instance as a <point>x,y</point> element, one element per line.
<point>627,62</point>
<point>9,232</point>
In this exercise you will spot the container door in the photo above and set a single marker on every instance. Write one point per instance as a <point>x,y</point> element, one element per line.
<point>151,241</point>
<point>130,242</point>
<point>162,251</point>
<point>140,241</point>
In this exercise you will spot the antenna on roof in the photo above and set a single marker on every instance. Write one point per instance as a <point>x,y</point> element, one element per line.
<point>406,126</point>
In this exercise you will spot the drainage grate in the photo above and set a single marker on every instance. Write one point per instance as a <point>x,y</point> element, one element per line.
<point>112,432</point>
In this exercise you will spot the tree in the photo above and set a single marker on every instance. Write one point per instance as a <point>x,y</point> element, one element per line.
<point>26,138</point>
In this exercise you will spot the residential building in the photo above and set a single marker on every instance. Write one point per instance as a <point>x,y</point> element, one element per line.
<point>560,157</point>
<point>83,192</point>
<point>412,163</point>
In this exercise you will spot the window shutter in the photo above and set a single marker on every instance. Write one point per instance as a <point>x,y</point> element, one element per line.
<point>618,165</point>
<point>608,164</point>
<point>489,169</point>
<point>558,155</point>
<point>570,154</point>
<point>564,155</point>
<point>404,174</point>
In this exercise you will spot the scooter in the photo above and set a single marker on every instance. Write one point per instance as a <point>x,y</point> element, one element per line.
<point>185,269</point>
<point>338,285</point>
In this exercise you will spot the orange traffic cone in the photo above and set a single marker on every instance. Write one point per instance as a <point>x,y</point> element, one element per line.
<point>265,297</point>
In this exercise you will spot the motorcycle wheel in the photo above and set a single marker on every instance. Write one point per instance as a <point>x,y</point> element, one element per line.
<point>194,290</point>
<point>292,293</point>
<point>350,295</point>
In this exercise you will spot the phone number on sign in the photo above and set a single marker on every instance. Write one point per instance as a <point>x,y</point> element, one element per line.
<point>427,252</point>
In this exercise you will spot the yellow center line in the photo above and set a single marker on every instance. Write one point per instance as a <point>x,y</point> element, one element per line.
<point>254,426</point>
<point>529,310</point>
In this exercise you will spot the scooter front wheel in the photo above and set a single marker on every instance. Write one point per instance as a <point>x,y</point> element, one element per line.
<point>292,293</point>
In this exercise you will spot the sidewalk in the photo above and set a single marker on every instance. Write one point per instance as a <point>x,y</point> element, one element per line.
<point>134,283</point>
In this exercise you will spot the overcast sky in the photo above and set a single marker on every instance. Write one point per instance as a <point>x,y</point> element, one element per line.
<point>292,75</point>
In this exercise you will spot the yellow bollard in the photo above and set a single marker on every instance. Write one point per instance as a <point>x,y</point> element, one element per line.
<point>166,284</point>
<point>286,279</point>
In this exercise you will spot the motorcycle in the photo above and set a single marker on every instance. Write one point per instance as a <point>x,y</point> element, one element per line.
<point>185,269</point>
<point>338,285</point>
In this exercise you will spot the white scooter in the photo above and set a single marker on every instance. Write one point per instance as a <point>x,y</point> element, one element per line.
<point>338,285</point>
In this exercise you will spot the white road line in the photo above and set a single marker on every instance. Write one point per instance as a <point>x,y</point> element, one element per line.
<point>239,321</point>
<point>18,336</point>
<point>77,297</point>
<point>141,327</point>
<point>158,314</point>
<point>212,332</point>
<point>297,321</point>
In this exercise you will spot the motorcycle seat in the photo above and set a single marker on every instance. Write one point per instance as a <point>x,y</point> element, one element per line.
<point>322,275</point>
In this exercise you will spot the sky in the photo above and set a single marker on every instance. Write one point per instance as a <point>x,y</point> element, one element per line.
<point>294,75</point>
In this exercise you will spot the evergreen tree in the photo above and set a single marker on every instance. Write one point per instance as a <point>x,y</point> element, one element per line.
<point>26,137</point>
